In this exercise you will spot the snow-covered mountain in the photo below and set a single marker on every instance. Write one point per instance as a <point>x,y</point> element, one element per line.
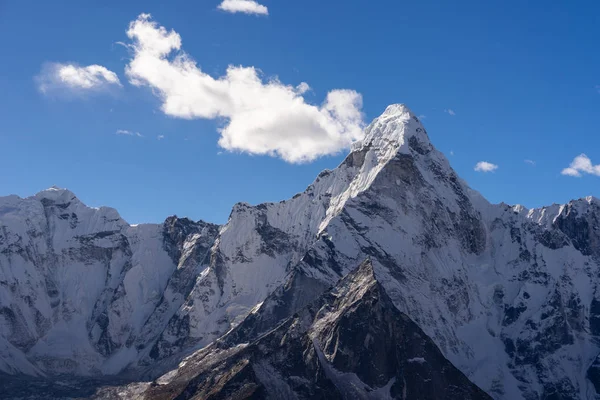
<point>509,295</point>
<point>79,287</point>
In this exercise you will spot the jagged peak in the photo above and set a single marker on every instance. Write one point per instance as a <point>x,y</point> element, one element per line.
<point>554,208</point>
<point>358,281</point>
<point>364,270</point>
<point>186,223</point>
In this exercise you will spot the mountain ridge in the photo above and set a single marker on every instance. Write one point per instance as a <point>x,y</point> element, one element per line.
<point>476,277</point>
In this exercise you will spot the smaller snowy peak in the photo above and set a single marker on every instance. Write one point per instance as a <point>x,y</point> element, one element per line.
<point>54,194</point>
<point>63,199</point>
<point>57,194</point>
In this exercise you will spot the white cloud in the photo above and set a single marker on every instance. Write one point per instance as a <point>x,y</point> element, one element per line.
<point>73,78</point>
<point>262,116</point>
<point>303,87</point>
<point>451,152</point>
<point>421,117</point>
<point>243,6</point>
<point>530,162</point>
<point>160,137</point>
<point>128,133</point>
<point>484,166</point>
<point>450,111</point>
<point>581,165</point>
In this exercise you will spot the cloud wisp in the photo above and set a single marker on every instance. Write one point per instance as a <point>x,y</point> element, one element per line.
<point>450,112</point>
<point>580,166</point>
<point>261,116</point>
<point>243,6</point>
<point>530,162</point>
<point>484,166</point>
<point>57,77</point>
<point>125,132</point>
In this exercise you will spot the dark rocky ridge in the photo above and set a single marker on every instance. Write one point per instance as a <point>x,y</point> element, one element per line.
<point>351,343</point>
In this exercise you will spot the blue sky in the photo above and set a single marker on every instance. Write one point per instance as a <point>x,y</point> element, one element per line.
<point>521,81</point>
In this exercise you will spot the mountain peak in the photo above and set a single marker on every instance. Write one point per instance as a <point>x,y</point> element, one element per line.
<point>392,132</point>
<point>56,194</point>
<point>395,132</point>
<point>397,109</point>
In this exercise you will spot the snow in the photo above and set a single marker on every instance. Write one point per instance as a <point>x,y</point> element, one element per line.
<point>13,361</point>
<point>90,262</point>
<point>118,361</point>
<point>450,291</point>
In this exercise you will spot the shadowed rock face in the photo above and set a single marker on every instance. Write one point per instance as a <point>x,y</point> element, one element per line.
<point>582,227</point>
<point>351,343</point>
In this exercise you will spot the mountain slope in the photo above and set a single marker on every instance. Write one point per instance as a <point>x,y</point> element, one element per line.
<point>509,295</point>
<point>351,343</point>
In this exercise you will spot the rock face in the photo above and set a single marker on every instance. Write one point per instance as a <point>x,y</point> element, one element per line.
<point>351,343</point>
<point>510,296</point>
